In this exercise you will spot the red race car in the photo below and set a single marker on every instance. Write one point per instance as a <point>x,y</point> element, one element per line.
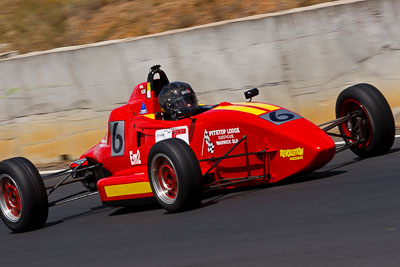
<point>162,144</point>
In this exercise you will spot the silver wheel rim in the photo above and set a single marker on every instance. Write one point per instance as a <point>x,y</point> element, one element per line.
<point>10,198</point>
<point>164,178</point>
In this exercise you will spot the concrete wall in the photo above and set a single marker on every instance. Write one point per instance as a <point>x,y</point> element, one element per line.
<point>56,102</point>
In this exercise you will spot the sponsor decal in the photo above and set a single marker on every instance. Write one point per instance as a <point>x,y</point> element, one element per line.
<point>185,92</point>
<point>292,154</point>
<point>180,132</point>
<point>143,90</point>
<point>226,136</point>
<point>135,158</point>
<point>210,145</point>
<point>143,109</point>
<point>222,132</point>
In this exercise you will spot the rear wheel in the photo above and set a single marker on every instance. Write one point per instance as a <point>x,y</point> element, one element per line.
<point>23,198</point>
<point>372,127</point>
<point>175,175</point>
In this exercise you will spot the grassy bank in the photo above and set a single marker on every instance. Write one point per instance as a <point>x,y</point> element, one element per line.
<point>32,25</point>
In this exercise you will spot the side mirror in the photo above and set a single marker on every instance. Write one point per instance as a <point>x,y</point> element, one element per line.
<point>249,94</point>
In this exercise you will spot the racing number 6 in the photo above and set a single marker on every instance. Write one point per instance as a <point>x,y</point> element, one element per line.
<point>117,130</point>
<point>281,117</point>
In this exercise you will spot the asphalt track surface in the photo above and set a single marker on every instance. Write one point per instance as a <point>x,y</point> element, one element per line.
<point>346,214</point>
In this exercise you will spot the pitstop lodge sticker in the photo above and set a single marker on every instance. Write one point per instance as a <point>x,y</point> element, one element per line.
<point>219,137</point>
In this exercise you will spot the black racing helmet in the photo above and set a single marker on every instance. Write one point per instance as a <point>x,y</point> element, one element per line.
<point>178,100</point>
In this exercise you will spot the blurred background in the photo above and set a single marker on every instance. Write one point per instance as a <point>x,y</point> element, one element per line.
<point>33,25</point>
<point>64,65</point>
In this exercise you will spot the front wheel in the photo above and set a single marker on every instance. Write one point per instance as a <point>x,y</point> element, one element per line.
<point>23,198</point>
<point>372,128</point>
<point>175,175</point>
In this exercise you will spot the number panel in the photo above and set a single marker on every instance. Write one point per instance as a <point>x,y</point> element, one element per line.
<point>117,134</point>
<point>280,116</point>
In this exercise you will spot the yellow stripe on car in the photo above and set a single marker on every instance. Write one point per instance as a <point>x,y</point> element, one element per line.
<point>148,91</point>
<point>260,105</point>
<point>127,189</point>
<point>150,116</point>
<point>254,111</point>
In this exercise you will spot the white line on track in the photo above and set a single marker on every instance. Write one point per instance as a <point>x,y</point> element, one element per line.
<point>342,142</point>
<point>54,171</point>
<point>49,172</point>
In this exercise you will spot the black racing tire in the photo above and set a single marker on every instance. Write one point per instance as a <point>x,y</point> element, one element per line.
<point>175,175</point>
<point>23,198</point>
<point>374,127</point>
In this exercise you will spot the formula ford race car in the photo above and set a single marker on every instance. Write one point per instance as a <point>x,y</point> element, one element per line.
<point>163,145</point>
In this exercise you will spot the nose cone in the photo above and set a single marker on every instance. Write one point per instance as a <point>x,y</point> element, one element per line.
<point>303,147</point>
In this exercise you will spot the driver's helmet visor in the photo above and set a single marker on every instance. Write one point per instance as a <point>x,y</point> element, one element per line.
<point>185,101</point>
